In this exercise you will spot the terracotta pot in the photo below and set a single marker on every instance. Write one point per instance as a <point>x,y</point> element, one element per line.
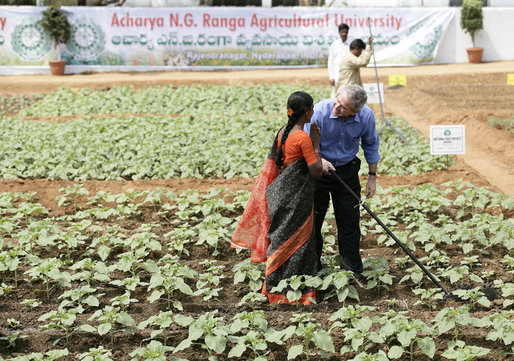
<point>475,54</point>
<point>57,66</point>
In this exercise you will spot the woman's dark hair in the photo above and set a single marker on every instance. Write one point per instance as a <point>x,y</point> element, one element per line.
<point>297,104</point>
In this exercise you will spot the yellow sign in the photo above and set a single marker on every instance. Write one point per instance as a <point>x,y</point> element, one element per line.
<point>510,79</point>
<point>397,79</point>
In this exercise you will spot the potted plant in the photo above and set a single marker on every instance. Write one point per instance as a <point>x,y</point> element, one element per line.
<point>55,23</point>
<point>471,21</point>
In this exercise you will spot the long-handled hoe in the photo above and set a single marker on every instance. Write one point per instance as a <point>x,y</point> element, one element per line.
<point>447,295</point>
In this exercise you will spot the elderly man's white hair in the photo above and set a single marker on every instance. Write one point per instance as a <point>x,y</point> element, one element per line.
<point>357,94</point>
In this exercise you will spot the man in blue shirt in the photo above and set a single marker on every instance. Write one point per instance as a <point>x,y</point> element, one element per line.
<point>344,122</point>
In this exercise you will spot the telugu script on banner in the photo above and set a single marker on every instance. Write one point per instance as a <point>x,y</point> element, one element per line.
<point>215,37</point>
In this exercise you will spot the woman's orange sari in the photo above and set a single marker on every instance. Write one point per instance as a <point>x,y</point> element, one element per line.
<point>277,225</point>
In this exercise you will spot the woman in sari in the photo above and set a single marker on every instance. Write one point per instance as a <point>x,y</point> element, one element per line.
<point>277,224</point>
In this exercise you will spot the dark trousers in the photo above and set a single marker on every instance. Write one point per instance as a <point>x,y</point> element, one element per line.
<point>346,210</point>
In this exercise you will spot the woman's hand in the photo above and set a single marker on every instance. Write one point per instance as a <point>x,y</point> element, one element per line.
<point>315,135</point>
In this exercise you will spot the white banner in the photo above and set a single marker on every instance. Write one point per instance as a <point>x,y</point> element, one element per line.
<point>220,37</point>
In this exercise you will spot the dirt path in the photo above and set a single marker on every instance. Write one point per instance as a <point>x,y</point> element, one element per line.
<point>467,94</point>
<point>488,150</point>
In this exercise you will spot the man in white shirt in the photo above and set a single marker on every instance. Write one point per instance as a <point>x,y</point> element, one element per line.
<point>335,54</point>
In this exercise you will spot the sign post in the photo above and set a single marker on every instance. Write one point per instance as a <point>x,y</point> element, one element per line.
<point>374,94</point>
<point>397,79</point>
<point>447,139</point>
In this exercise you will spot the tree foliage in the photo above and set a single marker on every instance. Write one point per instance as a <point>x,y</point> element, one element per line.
<point>471,18</point>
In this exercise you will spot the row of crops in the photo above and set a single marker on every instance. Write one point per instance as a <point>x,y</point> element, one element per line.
<point>150,275</point>
<point>168,132</point>
<point>88,268</point>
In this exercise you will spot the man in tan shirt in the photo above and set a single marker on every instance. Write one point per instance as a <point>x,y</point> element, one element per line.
<point>349,69</point>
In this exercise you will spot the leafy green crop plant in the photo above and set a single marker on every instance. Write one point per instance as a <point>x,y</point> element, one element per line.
<point>212,229</point>
<point>12,339</point>
<point>408,332</point>
<point>428,296</point>
<point>414,274</point>
<point>252,300</point>
<point>295,286</point>
<point>10,261</point>
<point>475,296</point>
<point>458,350</point>
<point>96,354</point>
<point>249,270</point>
<point>15,336</point>
<point>168,276</point>
<point>359,336</point>
<point>211,276</point>
<point>337,281</point>
<point>378,275</point>
<point>503,329</point>
<point>452,319</point>
<point>162,321</point>
<point>123,301</point>
<point>90,271</point>
<point>155,351</point>
<point>49,271</point>
<point>309,332</point>
<point>109,319</point>
<point>50,355</point>
<point>61,318</point>
<point>84,295</point>
<point>253,326</point>
<point>130,147</point>
<point>131,261</point>
<point>208,331</point>
<point>71,195</point>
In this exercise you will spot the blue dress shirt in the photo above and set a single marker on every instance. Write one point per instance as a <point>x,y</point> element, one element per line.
<point>340,139</point>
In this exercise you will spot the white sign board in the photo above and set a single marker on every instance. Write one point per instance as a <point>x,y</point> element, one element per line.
<point>447,139</point>
<point>372,91</point>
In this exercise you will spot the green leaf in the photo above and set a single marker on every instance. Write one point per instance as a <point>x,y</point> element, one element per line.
<point>445,325</point>
<point>156,294</point>
<point>237,350</point>
<point>216,343</point>
<point>406,337</point>
<point>125,319</point>
<point>239,277</point>
<point>294,352</point>
<point>184,288</point>
<point>92,301</point>
<point>484,302</point>
<point>104,328</point>
<point>427,345</point>
<point>195,331</point>
<point>395,352</point>
<point>103,252</point>
<point>183,345</point>
<point>87,328</point>
<point>322,339</point>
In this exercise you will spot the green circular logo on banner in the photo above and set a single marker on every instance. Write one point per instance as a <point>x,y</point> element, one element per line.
<point>427,35</point>
<point>447,132</point>
<point>30,41</point>
<point>87,40</point>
